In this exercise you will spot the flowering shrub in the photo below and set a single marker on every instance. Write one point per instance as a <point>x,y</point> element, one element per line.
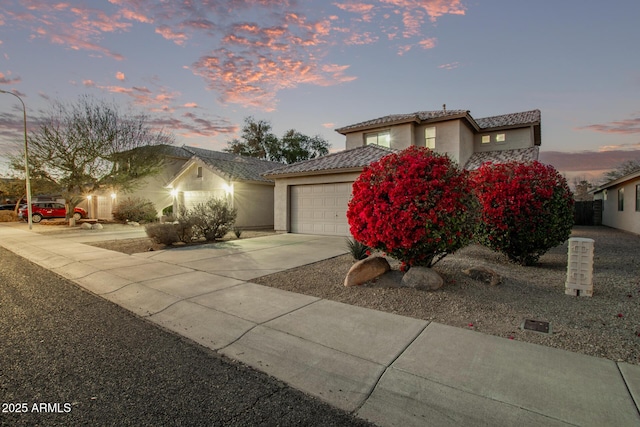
<point>414,205</point>
<point>527,209</point>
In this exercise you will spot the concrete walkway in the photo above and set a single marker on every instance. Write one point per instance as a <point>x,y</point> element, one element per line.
<point>389,369</point>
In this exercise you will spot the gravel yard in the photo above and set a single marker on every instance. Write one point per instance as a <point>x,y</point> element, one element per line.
<point>605,325</point>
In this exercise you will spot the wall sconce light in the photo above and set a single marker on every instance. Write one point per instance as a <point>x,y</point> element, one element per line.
<point>113,196</point>
<point>174,192</point>
<point>228,188</point>
<point>89,197</point>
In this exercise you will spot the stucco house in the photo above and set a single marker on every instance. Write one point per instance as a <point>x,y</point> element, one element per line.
<point>223,175</point>
<point>312,196</point>
<point>191,175</point>
<point>621,202</point>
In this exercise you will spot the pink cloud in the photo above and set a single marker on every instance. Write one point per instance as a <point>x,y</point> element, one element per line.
<point>120,76</point>
<point>178,37</point>
<point>625,127</point>
<point>429,43</point>
<point>6,80</point>
<point>329,125</point>
<point>587,160</point>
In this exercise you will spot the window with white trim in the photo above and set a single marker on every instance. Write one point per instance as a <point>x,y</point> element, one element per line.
<point>501,137</point>
<point>430,137</point>
<point>199,172</point>
<point>378,138</point>
<point>486,139</point>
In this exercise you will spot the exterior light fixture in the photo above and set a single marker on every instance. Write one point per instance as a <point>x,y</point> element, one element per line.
<point>26,159</point>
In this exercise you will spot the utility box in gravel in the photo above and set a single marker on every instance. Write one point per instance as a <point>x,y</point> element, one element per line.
<point>580,267</point>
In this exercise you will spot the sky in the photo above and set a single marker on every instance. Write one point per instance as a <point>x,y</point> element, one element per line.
<point>198,68</point>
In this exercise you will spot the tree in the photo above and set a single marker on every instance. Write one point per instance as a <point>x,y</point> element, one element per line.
<point>415,205</point>
<point>257,140</point>
<point>527,209</point>
<point>295,146</point>
<point>90,144</point>
<point>581,190</point>
<point>625,168</point>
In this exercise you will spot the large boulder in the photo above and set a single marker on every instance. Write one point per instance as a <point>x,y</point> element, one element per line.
<point>484,274</point>
<point>365,270</point>
<point>422,278</point>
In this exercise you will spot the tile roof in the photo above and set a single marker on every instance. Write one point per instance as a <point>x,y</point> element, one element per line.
<point>504,120</point>
<point>234,166</point>
<point>503,156</point>
<point>354,158</point>
<point>418,116</point>
<point>513,119</point>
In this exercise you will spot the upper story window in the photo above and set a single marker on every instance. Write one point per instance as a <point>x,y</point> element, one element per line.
<point>501,137</point>
<point>486,139</point>
<point>638,198</point>
<point>199,172</point>
<point>621,199</point>
<point>378,138</point>
<point>430,137</point>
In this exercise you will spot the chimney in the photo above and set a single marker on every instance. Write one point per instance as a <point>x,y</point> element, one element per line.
<point>444,108</point>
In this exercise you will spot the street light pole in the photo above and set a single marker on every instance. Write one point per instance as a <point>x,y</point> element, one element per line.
<point>26,158</point>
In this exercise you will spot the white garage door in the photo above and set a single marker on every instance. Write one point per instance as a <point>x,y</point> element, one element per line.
<point>320,209</point>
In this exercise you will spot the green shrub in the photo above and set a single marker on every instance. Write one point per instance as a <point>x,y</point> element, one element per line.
<point>135,209</point>
<point>184,226</point>
<point>212,219</point>
<point>357,250</point>
<point>237,231</point>
<point>527,209</point>
<point>165,234</point>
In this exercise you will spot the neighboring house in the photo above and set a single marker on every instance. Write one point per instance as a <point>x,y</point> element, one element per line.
<point>621,202</point>
<point>223,175</point>
<point>312,196</point>
<point>191,175</point>
<point>100,205</point>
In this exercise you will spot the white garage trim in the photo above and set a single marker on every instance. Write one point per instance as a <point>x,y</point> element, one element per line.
<point>320,208</point>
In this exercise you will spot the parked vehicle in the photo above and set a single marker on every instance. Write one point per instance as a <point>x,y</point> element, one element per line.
<point>46,210</point>
<point>7,207</point>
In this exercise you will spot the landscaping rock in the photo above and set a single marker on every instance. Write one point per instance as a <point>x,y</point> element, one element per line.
<point>422,278</point>
<point>97,226</point>
<point>365,270</point>
<point>484,274</point>
<point>133,224</point>
<point>85,226</point>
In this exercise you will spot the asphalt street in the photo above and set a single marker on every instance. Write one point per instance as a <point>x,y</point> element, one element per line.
<point>70,358</point>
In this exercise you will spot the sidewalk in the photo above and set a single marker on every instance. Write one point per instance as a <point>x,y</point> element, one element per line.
<point>389,369</point>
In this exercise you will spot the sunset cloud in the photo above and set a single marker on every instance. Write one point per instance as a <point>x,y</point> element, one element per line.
<point>588,160</point>
<point>625,127</point>
<point>449,66</point>
<point>6,80</point>
<point>250,49</point>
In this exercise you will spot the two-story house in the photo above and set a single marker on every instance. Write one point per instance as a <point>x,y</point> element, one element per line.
<point>312,196</point>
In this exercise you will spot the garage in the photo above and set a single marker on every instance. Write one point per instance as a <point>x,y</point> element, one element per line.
<point>320,208</point>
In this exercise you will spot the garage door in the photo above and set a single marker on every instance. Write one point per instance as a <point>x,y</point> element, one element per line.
<point>320,209</point>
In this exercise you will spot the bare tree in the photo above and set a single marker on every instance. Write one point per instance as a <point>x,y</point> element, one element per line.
<point>625,168</point>
<point>90,144</point>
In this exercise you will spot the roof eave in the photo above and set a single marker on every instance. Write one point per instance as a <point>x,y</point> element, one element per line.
<point>317,172</point>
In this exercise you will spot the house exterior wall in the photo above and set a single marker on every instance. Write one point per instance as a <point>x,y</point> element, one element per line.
<point>629,218</point>
<point>255,205</point>
<point>401,136</point>
<point>447,138</point>
<point>282,220</point>
<point>152,188</point>
<point>514,139</point>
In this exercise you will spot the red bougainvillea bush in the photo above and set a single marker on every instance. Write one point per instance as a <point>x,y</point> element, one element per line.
<point>414,205</point>
<point>527,209</point>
